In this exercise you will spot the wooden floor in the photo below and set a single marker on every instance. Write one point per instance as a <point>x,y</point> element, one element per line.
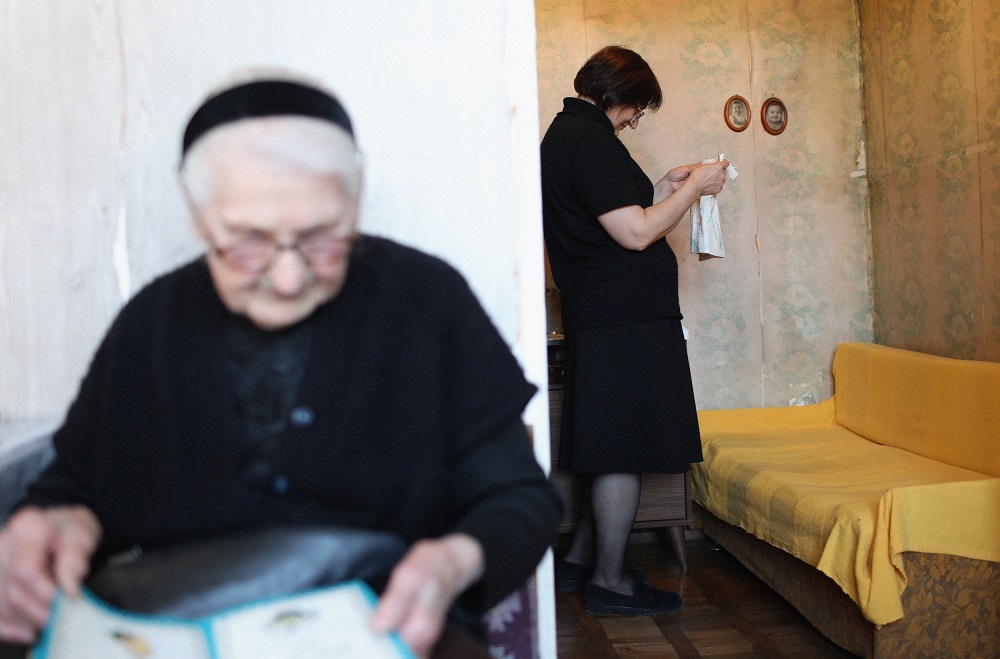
<point>727,613</point>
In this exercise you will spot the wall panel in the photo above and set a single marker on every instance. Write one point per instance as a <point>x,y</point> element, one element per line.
<point>935,228</point>
<point>60,206</point>
<point>986,18</point>
<point>764,320</point>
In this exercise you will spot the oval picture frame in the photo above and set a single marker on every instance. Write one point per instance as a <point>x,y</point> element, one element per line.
<point>737,113</point>
<point>770,124</point>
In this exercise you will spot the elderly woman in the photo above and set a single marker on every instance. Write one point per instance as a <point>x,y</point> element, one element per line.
<point>629,405</point>
<point>297,374</point>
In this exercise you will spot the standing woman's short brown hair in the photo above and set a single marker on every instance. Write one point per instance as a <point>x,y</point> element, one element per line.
<point>615,75</point>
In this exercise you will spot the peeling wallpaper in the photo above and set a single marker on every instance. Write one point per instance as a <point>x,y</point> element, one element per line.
<point>932,102</point>
<point>764,321</point>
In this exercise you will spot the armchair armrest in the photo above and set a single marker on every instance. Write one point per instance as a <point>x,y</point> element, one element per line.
<point>25,450</point>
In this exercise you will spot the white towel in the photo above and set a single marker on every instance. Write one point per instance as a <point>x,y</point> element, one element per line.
<point>706,230</point>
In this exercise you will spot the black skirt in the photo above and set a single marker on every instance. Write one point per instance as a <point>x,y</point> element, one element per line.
<point>629,403</point>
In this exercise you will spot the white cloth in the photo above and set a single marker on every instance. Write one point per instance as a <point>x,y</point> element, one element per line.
<point>706,230</point>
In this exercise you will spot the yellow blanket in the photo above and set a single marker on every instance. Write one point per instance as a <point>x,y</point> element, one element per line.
<point>797,479</point>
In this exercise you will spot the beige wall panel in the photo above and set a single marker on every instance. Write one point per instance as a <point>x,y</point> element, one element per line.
<point>562,50</point>
<point>934,279</point>
<point>884,255</point>
<point>720,297</point>
<point>872,69</point>
<point>700,55</point>
<point>901,235</point>
<point>989,167</point>
<point>810,211</point>
<point>899,240</point>
<point>951,59</point>
<point>898,237</point>
<point>928,49</point>
<point>898,109</point>
<point>59,201</point>
<point>939,292</point>
<point>987,26</point>
<point>794,193</point>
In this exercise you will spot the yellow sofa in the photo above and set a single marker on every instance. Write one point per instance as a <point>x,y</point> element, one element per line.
<point>876,512</point>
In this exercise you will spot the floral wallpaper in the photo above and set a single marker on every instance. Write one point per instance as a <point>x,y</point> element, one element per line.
<point>931,81</point>
<point>764,321</point>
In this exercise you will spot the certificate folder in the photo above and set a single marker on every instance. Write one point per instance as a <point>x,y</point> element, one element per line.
<point>325,623</point>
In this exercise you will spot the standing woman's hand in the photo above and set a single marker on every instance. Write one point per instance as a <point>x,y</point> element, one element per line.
<point>41,550</point>
<point>709,177</point>
<point>676,176</point>
<point>673,180</point>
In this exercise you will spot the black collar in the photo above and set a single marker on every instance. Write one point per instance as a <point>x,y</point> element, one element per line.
<point>588,111</point>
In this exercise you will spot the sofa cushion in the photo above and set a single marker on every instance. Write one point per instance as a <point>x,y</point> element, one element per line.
<point>943,409</point>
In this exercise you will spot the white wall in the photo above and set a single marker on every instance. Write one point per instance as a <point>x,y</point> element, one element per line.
<point>95,94</point>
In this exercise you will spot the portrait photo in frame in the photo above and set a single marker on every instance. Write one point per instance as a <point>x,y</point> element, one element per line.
<point>773,116</point>
<point>737,113</point>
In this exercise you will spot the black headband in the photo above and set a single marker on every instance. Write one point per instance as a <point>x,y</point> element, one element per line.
<point>264,98</point>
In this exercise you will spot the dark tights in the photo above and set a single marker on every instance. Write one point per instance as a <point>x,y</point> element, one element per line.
<point>608,503</point>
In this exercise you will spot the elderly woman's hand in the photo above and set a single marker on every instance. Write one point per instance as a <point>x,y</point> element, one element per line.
<point>423,587</point>
<point>41,550</point>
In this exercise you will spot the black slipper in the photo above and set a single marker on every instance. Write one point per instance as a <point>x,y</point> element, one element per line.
<point>572,577</point>
<point>645,601</point>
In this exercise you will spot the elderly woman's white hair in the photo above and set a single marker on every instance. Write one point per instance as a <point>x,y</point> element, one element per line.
<point>282,142</point>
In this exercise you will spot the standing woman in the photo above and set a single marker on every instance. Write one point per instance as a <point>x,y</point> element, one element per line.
<point>629,405</point>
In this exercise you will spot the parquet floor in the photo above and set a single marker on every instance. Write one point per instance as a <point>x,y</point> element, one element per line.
<point>728,613</point>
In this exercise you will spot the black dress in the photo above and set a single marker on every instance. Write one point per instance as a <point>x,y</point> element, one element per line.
<point>629,405</point>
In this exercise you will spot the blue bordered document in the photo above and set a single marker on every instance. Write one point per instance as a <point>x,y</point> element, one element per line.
<point>326,623</point>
